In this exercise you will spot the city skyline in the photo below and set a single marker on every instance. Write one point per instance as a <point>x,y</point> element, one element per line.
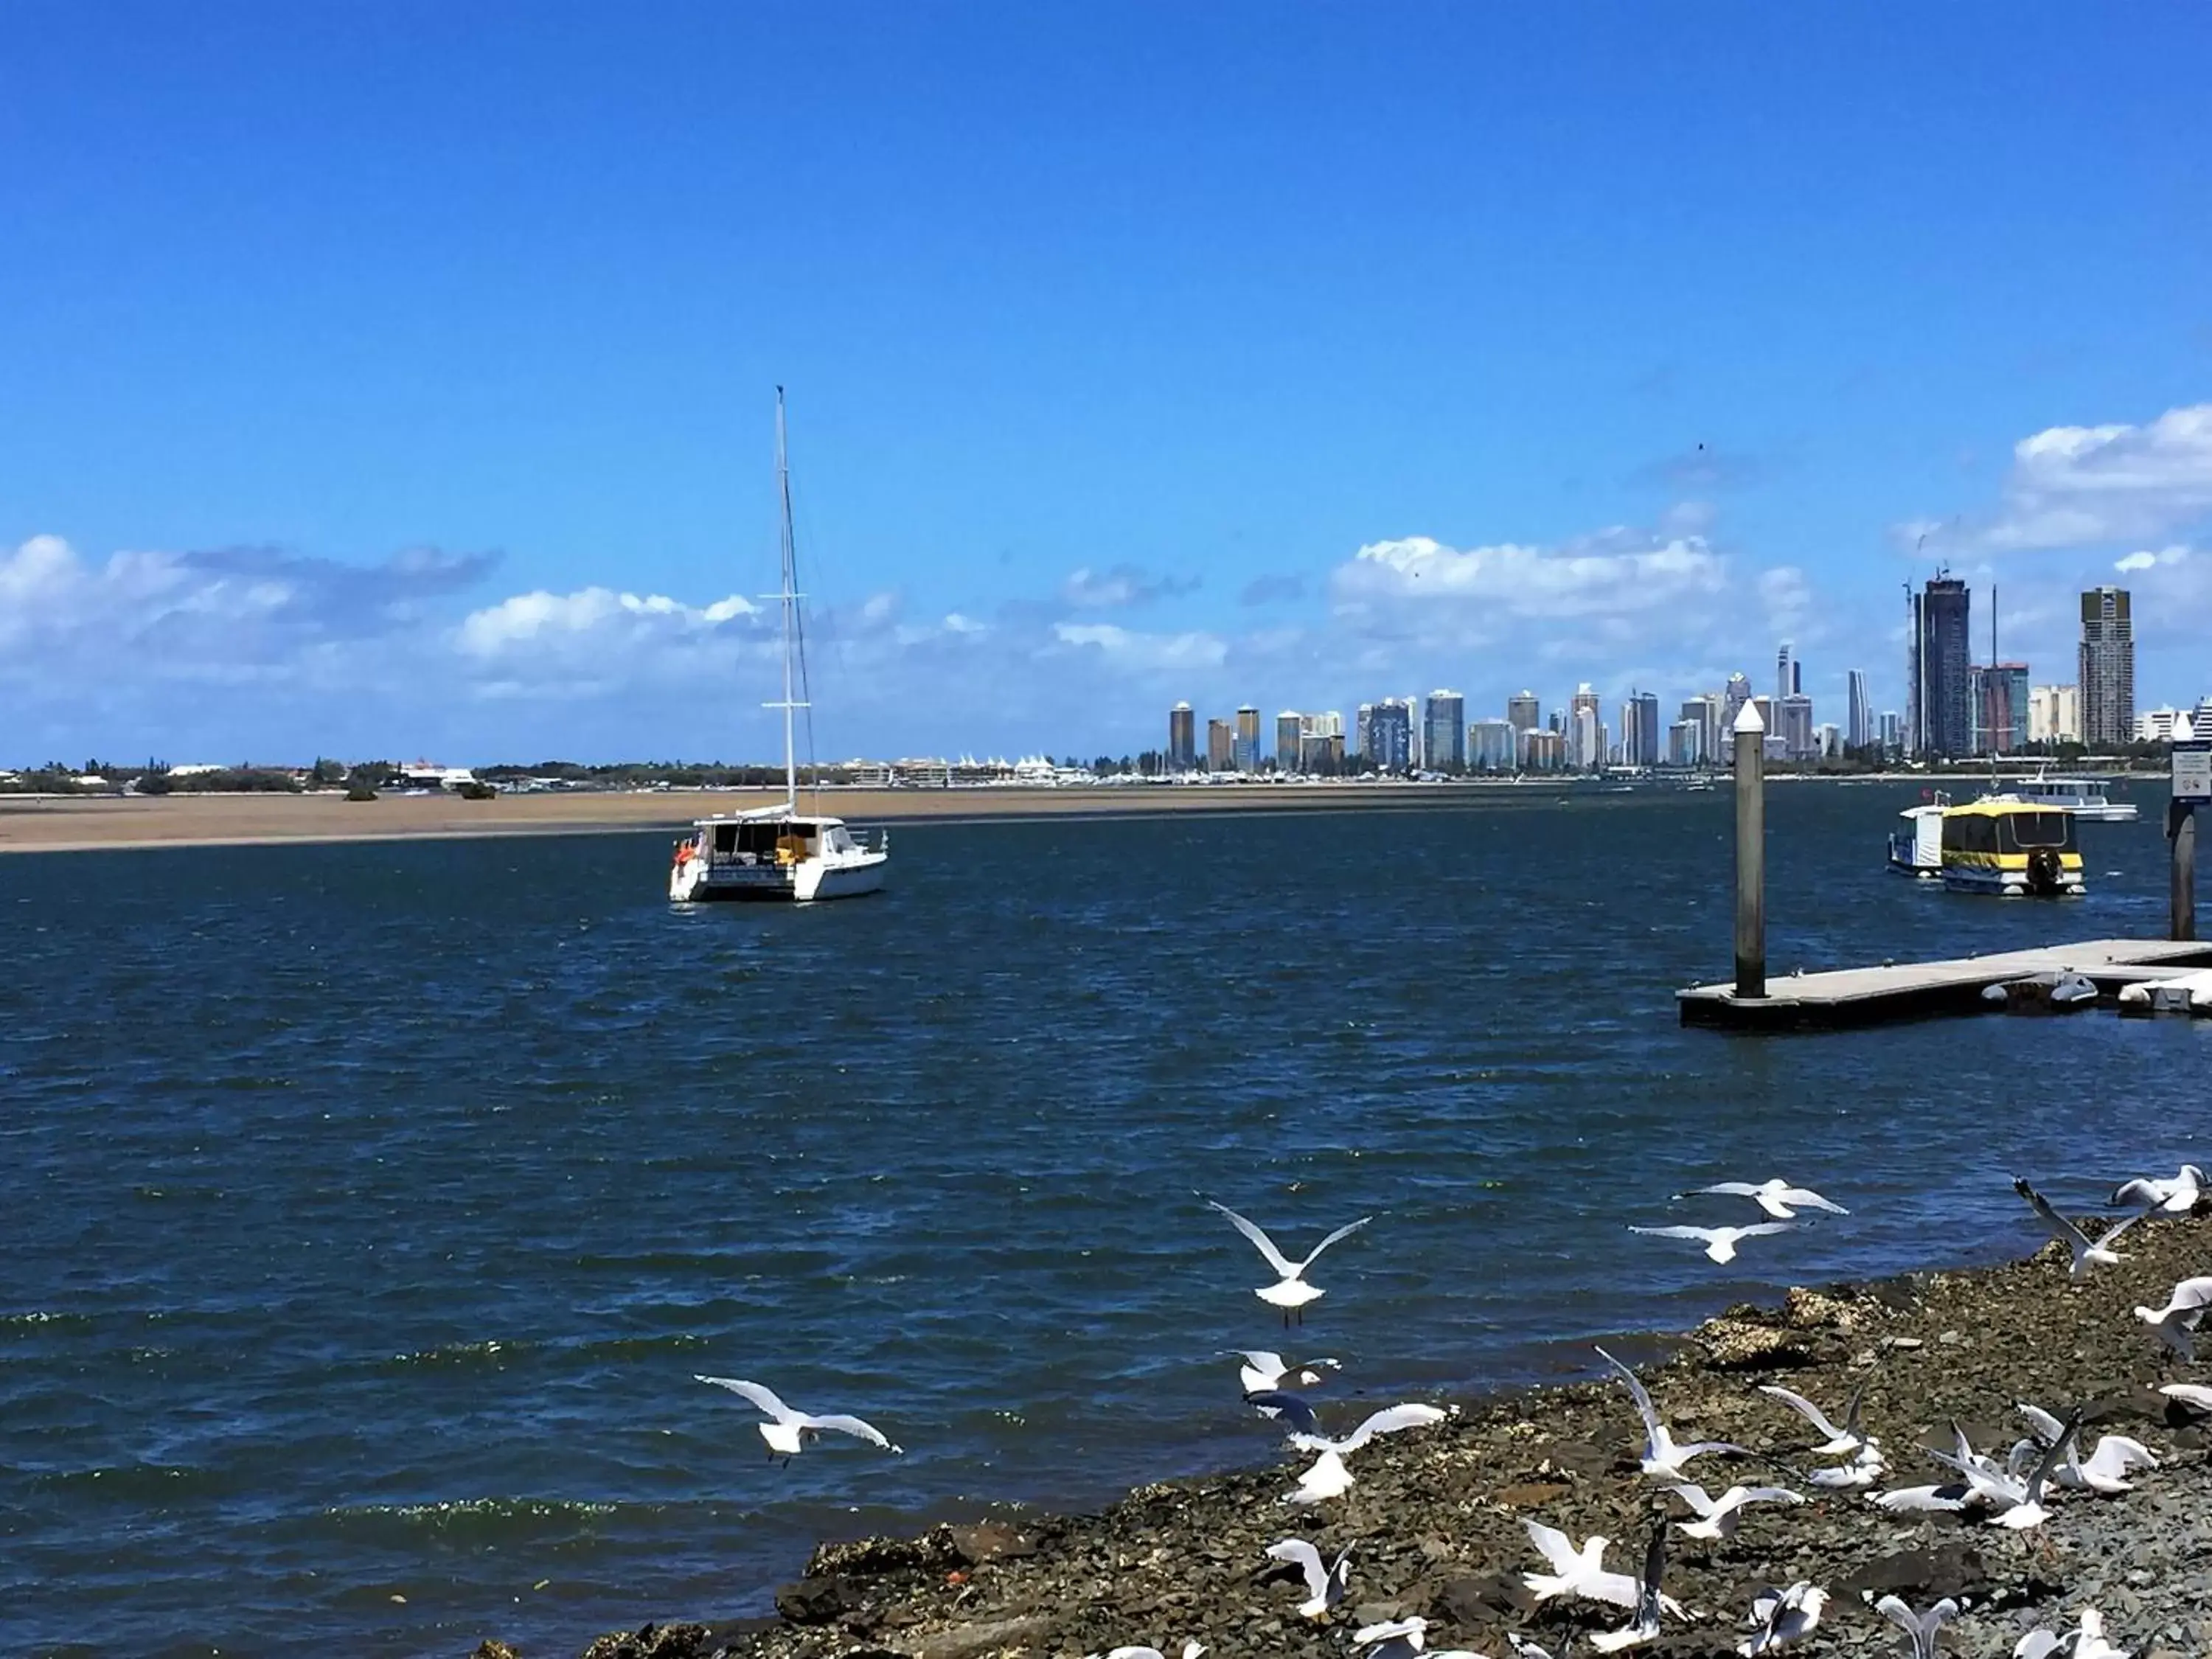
<point>1116,374</point>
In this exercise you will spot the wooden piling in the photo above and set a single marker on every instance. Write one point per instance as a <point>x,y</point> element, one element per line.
<point>1750,853</point>
<point>2181,888</point>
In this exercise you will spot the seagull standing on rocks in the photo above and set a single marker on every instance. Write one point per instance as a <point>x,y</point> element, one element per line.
<point>1664,1457</point>
<point>1720,1243</point>
<point>1776,1196</point>
<point>1921,1627</point>
<point>1719,1518</point>
<point>1781,1617</point>
<point>1325,1581</point>
<point>2088,1253</point>
<point>787,1431</point>
<point>1290,1293</point>
<point>2175,1323</point>
<point>2195,1395</point>
<point>1190,1650</point>
<point>1400,1639</point>
<point>2175,1197</point>
<point>1862,1470</point>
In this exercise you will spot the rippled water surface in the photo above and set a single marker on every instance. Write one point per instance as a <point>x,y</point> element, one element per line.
<point>369,1209</point>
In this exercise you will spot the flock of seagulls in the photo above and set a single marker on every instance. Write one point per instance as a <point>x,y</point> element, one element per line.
<point>2012,1489</point>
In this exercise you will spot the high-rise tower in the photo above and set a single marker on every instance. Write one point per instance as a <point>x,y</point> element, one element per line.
<point>1946,697</point>
<point>2108,668</point>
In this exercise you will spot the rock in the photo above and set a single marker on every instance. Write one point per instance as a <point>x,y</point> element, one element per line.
<point>653,1642</point>
<point>871,1557</point>
<point>817,1600</point>
<point>492,1648</point>
<point>1817,1310</point>
<point>1922,1575</point>
<point>1733,1345</point>
<point>988,1541</point>
<point>1476,1598</point>
<point>1529,1494</point>
<point>965,1641</point>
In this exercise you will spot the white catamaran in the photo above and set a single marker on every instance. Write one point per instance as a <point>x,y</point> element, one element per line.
<point>779,852</point>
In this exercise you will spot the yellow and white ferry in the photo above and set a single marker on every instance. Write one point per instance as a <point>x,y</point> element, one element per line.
<point>2011,848</point>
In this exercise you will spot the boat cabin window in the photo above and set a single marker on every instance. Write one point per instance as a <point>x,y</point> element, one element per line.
<point>752,842</point>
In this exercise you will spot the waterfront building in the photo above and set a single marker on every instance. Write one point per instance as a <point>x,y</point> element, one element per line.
<point>1220,746</point>
<point>1892,731</point>
<point>1182,739</point>
<point>1361,722</point>
<point>1858,716</point>
<point>1492,746</point>
<point>1525,712</point>
<point>1786,673</point>
<point>1543,751</point>
<point>2156,725</point>
<point>2054,714</point>
<point>1290,728</point>
<point>1685,742</point>
<point>1796,727</point>
<point>1942,661</point>
<point>1247,735</point>
<point>1390,735</point>
<point>1321,752</point>
<point>2108,667</point>
<point>1443,731</point>
<point>2000,707</point>
<point>1828,739</point>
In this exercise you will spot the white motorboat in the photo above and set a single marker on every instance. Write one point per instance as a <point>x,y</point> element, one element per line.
<point>779,852</point>
<point>2084,797</point>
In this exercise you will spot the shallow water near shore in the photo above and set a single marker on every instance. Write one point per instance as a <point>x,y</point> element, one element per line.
<point>370,1208</point>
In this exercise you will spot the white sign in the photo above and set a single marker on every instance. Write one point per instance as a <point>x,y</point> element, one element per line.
<point>2192,772</point>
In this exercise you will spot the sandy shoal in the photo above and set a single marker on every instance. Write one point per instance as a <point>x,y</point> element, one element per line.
<point>97,823</point>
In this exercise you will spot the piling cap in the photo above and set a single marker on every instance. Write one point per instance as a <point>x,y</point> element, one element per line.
<point>1747,718</point>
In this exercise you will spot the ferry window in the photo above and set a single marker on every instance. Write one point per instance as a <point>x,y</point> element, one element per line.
<point>2040,828</point>
<point>725,837</point>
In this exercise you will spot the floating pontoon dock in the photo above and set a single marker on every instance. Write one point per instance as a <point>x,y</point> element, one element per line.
<point>1918,990</point>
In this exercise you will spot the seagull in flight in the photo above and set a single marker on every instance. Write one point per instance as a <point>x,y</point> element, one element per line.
<point>1921,1627</point>
<point>1577,1572</point>
<point>2085,1641</point>
<point>2087,1252</point>
<point>1720,1243</point>
<point>2175,1197</point>
<point>1775,1196</point>
<point>1325,1581</point>
<point>1650,1603</point>
<point>787,1431</point>
<point>1864,1470</point>
<point>1781,1617</point>
<point>1262,1370</point>
<point>1718,1518</point>
<point>2175,1323</point>
<point>1400,1639</point>
<point>2114,1457</point>
<point>1290,1293</point>
<point>1664,1455</point>
<point>2195,1395</point>
<point>1851,1437</point>
<point>1329,1477</point>
<point>2020,1502</point>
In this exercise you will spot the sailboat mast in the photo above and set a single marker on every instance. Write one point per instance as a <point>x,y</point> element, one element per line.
<point>790,602</point>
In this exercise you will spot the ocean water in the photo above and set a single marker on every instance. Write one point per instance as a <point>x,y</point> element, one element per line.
<point>367,1210</point>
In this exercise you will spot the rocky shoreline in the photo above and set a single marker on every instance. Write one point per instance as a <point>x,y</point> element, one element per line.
<point>1437,1518</point>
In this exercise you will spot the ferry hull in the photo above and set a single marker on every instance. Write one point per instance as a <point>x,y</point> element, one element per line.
<point>809,883</point>
<point>2007,884</point>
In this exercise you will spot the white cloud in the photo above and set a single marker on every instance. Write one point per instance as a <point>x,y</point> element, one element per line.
<point>2089,486</point>
<point>528,622</point>
<point>2150,561</point>
<point>1146,653</point>
<point>1123,585</point>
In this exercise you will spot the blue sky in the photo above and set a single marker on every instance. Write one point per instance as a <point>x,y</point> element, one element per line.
<point>397,380</point>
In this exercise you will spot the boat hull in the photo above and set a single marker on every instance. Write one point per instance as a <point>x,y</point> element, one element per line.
<point>2007,882</point>
<point>811,882</point>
